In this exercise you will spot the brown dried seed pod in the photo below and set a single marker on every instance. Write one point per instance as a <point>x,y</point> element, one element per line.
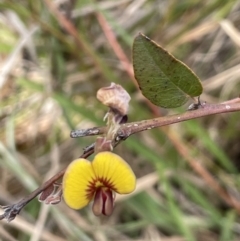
<point>115,97</point>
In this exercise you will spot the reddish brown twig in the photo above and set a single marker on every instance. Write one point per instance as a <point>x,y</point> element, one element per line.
<point>214,109</point>
<point>138,126</point>
<point>129,129</point>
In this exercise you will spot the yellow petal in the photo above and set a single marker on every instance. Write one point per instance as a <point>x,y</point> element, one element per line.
<point>76,181</point>
<point>112,168</point>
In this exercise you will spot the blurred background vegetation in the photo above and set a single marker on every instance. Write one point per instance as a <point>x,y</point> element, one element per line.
<point>50,73</point>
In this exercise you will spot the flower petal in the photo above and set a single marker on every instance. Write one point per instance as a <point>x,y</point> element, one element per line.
<point>113,170</point>
<point>97,206</point>
<point>76,183</point>
<point>103,202</point>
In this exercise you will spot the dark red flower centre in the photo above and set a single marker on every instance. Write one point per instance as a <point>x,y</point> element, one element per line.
<point>103,202</point>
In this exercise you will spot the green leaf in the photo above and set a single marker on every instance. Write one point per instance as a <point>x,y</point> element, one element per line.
<point>164,80</point>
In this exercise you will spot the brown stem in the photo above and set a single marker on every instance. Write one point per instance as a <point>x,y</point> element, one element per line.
<point>11,211</point>
<point>166,121</point>
<point>132,128</point>
<point>138,126</point>
<point>206,110</point>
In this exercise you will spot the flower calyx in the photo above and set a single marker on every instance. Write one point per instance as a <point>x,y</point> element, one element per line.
<point>51,195</point>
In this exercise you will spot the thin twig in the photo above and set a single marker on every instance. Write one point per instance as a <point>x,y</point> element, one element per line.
<point>207,109</point>
<point>138,126</point>
<point>132,128</point>
<point>159,121</point>
<point>11,211</point>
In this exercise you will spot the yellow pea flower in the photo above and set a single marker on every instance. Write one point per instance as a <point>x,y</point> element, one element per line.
<point>98,181</point>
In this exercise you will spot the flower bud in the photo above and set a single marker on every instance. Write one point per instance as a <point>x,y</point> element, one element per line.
<point>115,97</point>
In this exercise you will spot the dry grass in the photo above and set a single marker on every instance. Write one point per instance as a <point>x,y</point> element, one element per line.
<point>50,73</point>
